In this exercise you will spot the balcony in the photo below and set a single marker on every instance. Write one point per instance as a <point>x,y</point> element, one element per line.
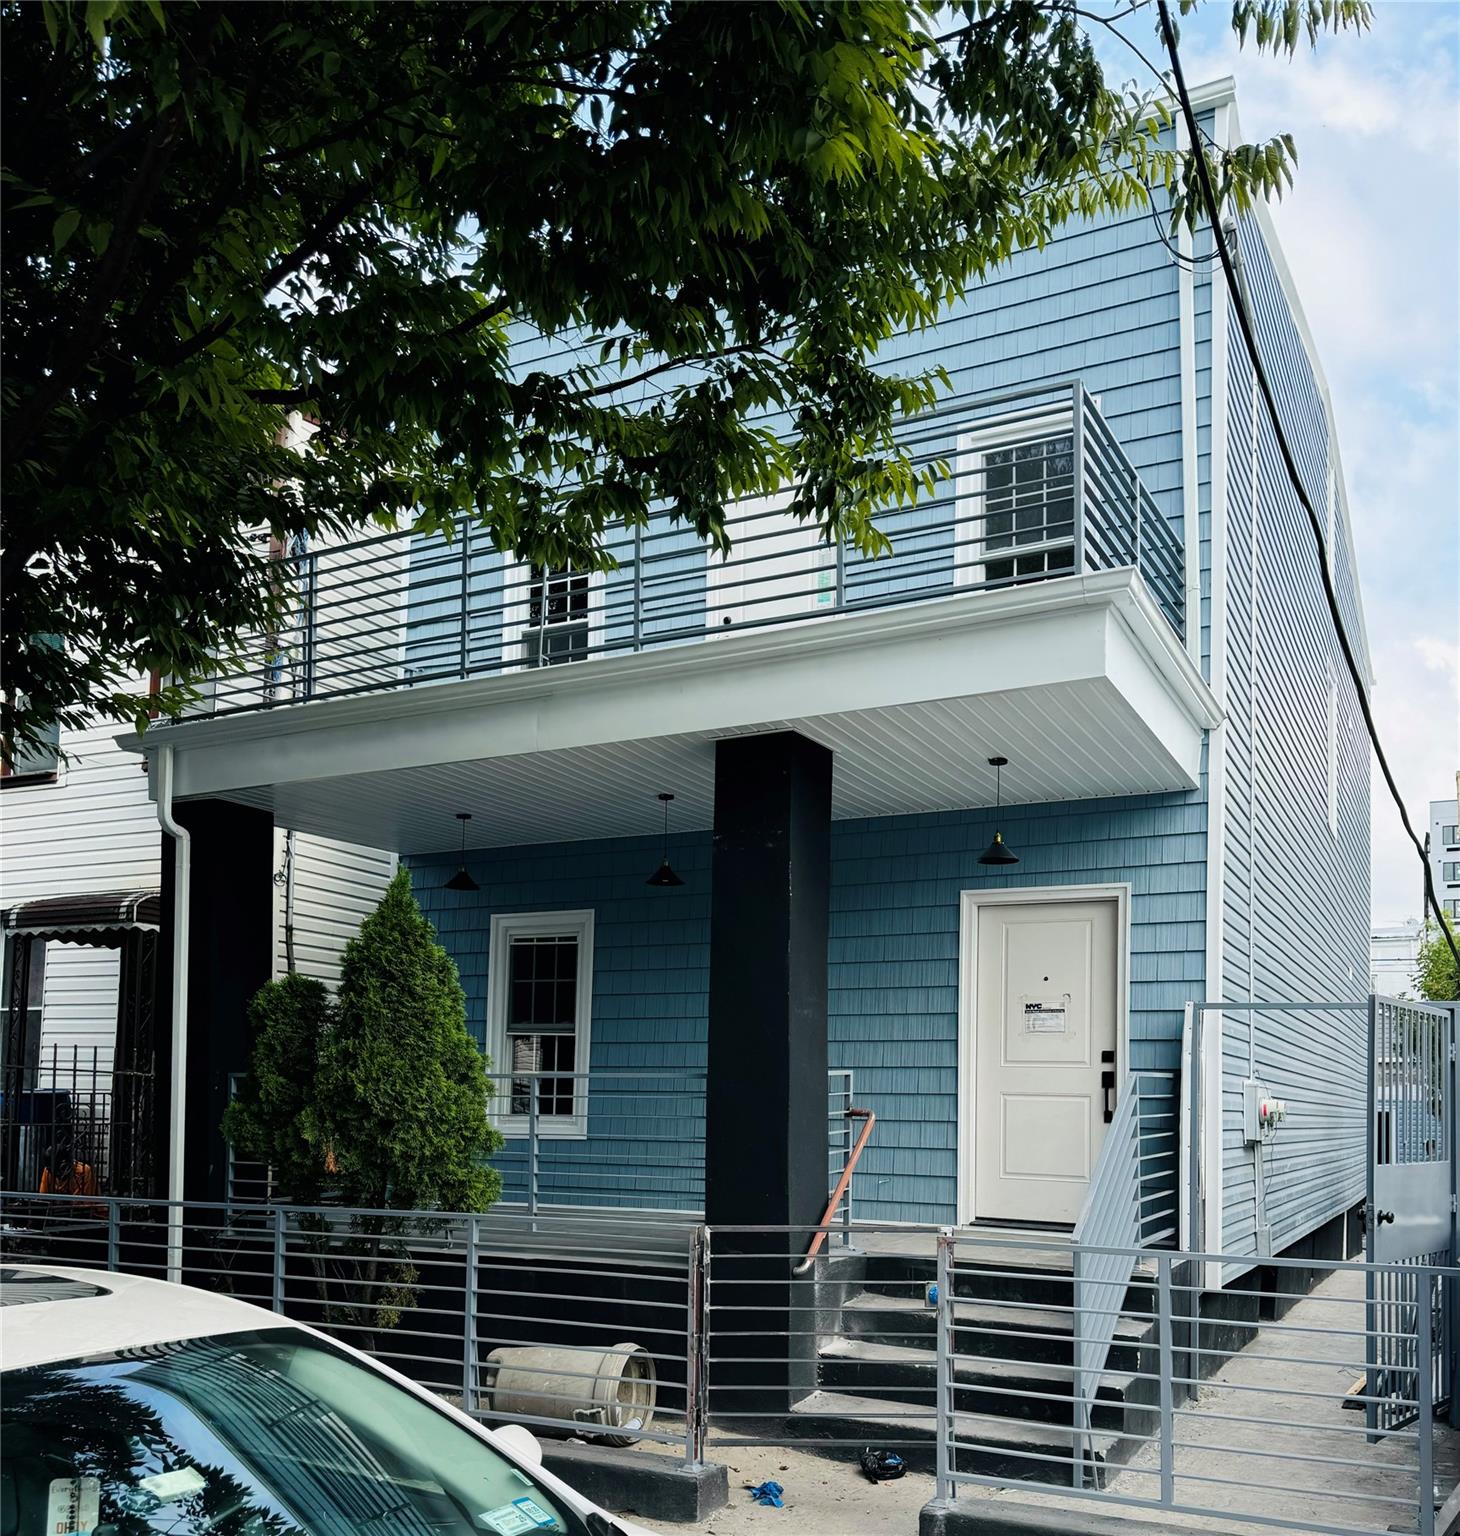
<point>1030,487</point>
<point>1031,607</point>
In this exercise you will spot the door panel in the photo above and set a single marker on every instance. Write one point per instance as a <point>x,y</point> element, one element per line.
<point>1044,1012</point>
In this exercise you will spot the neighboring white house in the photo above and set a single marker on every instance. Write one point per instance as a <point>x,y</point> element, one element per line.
<point>80,852</point>
<point>1444,851</point>
<point>1394,958</point>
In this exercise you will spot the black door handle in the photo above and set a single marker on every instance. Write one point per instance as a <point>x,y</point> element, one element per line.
<point>1380,1217</point>
<point>1107,1087</point>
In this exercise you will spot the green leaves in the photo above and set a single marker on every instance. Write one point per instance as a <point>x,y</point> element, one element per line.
<point>64,228</point>
<point>545,267</point>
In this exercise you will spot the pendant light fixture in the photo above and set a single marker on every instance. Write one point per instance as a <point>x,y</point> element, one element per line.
<point>996,852</point>
<point>461,881</point>
<point>664,875</point>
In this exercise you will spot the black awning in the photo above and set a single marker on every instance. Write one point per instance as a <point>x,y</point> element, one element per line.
<point>83,919</point>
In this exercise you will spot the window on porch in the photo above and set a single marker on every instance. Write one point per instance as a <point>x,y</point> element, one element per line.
<point>540,1000</point>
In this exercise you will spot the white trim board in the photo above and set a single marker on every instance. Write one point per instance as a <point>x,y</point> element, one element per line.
<point>505,926</point>
<point>969,903</point>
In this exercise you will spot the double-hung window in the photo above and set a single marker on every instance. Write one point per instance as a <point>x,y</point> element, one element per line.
<point>1451,871</point>
<point>557,616</point>
<point>540,991</point>
<point>1016,501</point>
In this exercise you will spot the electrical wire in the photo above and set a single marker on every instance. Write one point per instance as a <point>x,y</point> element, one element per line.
<point>1249,338</point>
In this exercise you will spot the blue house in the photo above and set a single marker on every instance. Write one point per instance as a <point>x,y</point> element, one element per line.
<point>961,833</point>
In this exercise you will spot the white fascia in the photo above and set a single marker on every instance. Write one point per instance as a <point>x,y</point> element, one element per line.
<point>1057,631</point>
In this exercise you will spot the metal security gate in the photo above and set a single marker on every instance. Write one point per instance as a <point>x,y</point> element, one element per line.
<point>1410,1215</point>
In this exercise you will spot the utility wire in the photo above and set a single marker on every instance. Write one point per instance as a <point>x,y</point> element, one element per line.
<point>1209,197</point>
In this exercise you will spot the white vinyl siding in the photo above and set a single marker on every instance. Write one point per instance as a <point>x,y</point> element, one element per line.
<point>79,1011</point>
<point>91,829</point>
<point>336,887</point>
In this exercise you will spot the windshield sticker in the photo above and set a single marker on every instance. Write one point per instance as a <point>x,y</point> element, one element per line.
<point>535,1512</point>
<point>508,1520</point>
<point>168,1486</point>
<point>73,1506</point>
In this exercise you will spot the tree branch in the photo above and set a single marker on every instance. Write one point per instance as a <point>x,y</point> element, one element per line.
<point>338,214</point>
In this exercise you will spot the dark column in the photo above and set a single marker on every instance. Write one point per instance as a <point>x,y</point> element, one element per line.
<point>230,956</point>
<point>766,1098</point>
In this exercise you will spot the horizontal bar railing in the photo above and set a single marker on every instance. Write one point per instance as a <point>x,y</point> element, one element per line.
<point>625,1138</point>
<point>1232,1405</point>
<point>573,1325</point>
<point>1022,486</point>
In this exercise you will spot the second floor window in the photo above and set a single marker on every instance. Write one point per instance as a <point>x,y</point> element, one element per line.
<point>1450,871</point>
<point>557,616</point>
<point>37,761</point>
<point>1451,836</point>
<point>1029,506</point>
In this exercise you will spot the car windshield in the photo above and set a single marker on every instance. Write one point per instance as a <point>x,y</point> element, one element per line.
<point>272,1433</point>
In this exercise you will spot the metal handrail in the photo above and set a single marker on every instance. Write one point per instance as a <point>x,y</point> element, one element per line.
<point>1115,1220</point>
<point>406,608</point>
<point>869,1119</point>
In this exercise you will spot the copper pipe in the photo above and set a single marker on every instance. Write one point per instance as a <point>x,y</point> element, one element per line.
<point>841,1187</point>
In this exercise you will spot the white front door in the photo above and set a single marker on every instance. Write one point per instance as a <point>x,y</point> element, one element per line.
<point>1045,1010</point>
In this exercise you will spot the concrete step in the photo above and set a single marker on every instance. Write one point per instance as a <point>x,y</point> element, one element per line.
<point>989,1329</point>
<point>987,1444</point>
<point>895,1373</point>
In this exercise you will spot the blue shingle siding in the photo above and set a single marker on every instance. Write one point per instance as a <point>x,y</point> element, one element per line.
<point>1297,893</point>
<point>892,975</point>
<point>650,994</point>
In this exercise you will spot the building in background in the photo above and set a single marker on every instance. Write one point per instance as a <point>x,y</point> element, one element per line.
<point>1394,957</point>
<point>81,893</point>
<point>1444,851</point>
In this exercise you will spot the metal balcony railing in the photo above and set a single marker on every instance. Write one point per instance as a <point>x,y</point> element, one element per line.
<point>1029,485</point>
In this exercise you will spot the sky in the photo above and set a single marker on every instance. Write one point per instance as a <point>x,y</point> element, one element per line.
<point>1371,231</point>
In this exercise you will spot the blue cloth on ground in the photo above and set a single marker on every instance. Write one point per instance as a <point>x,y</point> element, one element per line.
<point>768,1494</point>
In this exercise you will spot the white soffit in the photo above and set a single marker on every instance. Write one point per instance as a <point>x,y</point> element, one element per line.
<point>1079,682</point>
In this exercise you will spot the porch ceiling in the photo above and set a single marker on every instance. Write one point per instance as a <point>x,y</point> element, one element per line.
<point>1079,682</point>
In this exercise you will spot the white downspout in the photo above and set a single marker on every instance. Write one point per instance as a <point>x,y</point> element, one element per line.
<point>182,845</point>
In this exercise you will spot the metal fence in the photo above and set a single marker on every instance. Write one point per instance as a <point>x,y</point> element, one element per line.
<point>1022,486</point>
<point>955,1348</point>
<point>628,1139</point>
<point>1411,1200</point>
<point>71,1122</point>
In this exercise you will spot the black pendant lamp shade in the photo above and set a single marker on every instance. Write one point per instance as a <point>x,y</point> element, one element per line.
<point>997,852</point>
<point>664,875</point>
<point>461,881</point>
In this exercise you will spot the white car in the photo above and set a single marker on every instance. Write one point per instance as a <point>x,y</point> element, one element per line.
<point>129,1406</point>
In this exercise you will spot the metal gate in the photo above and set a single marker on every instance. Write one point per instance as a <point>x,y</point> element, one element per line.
<point>1410,1215</point>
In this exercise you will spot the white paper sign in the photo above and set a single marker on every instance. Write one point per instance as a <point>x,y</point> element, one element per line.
<point>1045,1019</point>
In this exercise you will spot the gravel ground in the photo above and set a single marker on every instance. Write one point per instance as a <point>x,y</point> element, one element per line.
<point>822,1498</point>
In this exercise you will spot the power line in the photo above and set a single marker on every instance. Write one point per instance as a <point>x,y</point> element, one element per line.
<point>1244,320</point>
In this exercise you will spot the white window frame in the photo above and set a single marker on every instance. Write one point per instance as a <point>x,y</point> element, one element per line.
<point>970,556</point>
<point>507,926</point>
<point>517,625</point>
